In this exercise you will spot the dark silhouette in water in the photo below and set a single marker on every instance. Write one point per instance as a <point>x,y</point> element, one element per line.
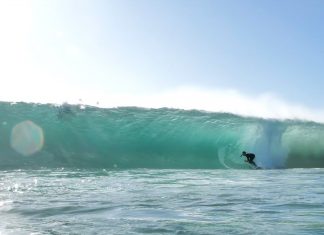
<point>249,158</point>
<point>64,111</point>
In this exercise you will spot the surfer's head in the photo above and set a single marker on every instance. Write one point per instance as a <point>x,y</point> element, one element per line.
<point>243,153</point>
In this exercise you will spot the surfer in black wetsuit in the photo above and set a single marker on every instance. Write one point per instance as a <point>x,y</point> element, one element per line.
<point>249,157</point>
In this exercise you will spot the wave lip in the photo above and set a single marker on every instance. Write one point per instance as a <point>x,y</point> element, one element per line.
<point>129,137</point>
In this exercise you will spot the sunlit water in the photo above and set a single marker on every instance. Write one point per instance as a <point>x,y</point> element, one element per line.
<point>162,201</point>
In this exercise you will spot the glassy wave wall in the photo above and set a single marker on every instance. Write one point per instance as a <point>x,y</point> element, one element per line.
<point>39,135</point>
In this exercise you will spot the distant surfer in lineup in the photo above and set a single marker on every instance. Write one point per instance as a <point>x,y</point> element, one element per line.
<point>249,158</point>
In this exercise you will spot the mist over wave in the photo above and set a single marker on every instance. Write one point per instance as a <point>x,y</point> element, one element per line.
<point>265,105</point>
<point>44,135</point>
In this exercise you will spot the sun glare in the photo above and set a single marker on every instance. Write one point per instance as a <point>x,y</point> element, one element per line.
<point>27,138</point>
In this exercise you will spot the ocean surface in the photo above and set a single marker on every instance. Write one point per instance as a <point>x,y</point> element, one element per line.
<point>150,201</point>
<point>74,169</point>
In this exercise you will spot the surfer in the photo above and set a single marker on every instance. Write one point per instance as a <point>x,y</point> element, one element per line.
<point>249,157</point>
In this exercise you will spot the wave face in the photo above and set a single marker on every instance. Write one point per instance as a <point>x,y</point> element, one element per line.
<point>35,135</point>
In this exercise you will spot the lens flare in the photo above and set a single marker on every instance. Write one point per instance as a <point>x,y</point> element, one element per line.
<point>27,138</point>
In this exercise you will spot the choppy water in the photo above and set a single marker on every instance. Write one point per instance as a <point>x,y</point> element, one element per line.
<point>152,201</point>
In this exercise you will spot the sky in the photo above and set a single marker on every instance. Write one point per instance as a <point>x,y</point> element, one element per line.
<point>251,57</point>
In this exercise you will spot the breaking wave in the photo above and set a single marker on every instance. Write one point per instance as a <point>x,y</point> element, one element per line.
<point>45,135</point>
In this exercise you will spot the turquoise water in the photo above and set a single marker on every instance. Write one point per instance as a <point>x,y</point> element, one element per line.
<point>74,169</point>
<point>34,135</point>
<point>150,201</point>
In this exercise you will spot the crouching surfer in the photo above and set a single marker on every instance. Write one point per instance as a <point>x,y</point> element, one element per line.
<point>249,158</point>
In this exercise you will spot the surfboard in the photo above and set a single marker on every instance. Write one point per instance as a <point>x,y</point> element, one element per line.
<point>255,167</point>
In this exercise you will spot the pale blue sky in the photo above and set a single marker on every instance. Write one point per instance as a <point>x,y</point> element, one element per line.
<point>140,46</point>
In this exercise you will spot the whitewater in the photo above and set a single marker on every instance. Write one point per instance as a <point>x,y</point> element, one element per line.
<point>79,169</point>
